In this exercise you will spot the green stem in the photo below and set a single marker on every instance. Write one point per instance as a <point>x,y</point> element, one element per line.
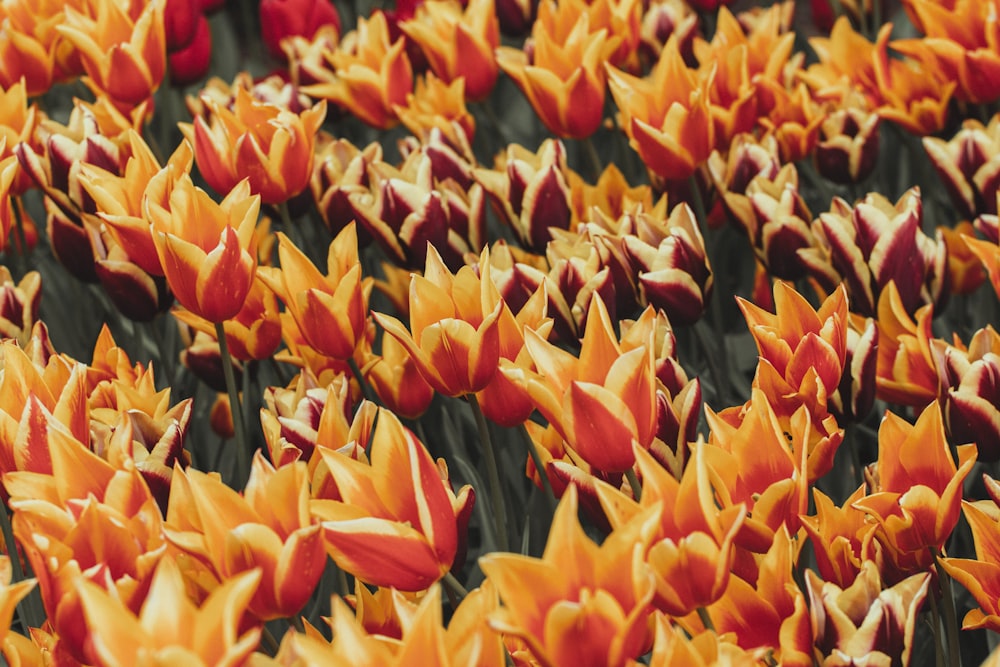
<point>454,585</point>
<point>268,642</point>
<point>592,156</point>
<point>936,627</point>
<point>633,482</point>
<point>26,608</point>
<point>239,427</point>
<point>366,389</point>
<point>950,617</point>
<point>496,488</point>
<point>22,240</point>
<point>706,620</point>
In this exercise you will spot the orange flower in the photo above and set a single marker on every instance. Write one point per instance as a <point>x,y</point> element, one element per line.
<point>169,626</point>
<point>31,47</point>
<point>18,121</point>
<point>208,251</point>
<point>602,401</point>
<point>455,339</point>
<point>580,603</point>
<point>770,611</point>
<point>838,535</point>
<point>396,522</point>
<point>691,550</point>
<point>397,381</point>
<point>371,76</point>
<point>563,80</point>
<point>124,55</point>
<point>267,529</point>
<point>981,575</point>
<point>268,145</point>
<point>339,169</point>
<point>19,304</point>
<point>907,370</point>
<point>666,115</point>
<point>253,333</point>
<point>918,490</point>
<point>331,311</point>
<point>458,43</point>
<point>435,104</point>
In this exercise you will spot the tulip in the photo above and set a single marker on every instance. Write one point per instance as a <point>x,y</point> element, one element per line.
<point>564,82</point>
<point>907,370</point>
<point>269,146</point>
<point>600,402</point>
<point>180,23</point>
<point>965,271</point>
<point>968,166</point>
<point>838,536</point>
<point>531,191</point>
<point>339,169</point>
<point>331,311</point>
<point>973,397</point>
<point>207,250</point>
<point>673,133</point>
<point>674,646</point>
<point>662,20</point>
<point>371,77</point>
<point>848,146</point>
<point>691,549</point>
<point>124,56</point>
<point>917,499</point>
<point>434,104</point>
<point>168,625</point>
<point>10,595</point>
<point>190,64</point>
<point>455,339</point>
<point>19,304</point>
<point>28,53</point>
<point>396,379</point>
<point>980,576</point>
<point>672,265</point>
<point>863,621</point>
<point>280,19</point>
<point>396,522</point>
<point>580,603</point>
<point>18,122</point>
<point>876,242</point>
<point>268,527</point>
<point>771,610</point>
<point>458,40</point>
<point>408,210</point>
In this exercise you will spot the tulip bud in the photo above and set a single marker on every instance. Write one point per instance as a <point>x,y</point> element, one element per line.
<point>969,166</point>
<point>849,144</point>
<point>300,18</point>
<point>190,63</point>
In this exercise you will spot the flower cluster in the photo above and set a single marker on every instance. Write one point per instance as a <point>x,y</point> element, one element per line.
<point>487,332</point>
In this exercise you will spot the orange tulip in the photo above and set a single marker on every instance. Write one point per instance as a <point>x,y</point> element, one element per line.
<point>458,40</point>
<point>691,550</point>
<point>580,603</point>
<point>770,611</point>
<point>396,521</point>
<point>29,44</point>
<point>601,402</point>
<point>666,115</point>
<point>397,381</point>
<point>169,626</point>
<point>339,169</point>
<point>981,575</point>
<point>673,647</point>
<point>18,121</point>
<point>267,529</point>
<point>838,536</point>
<point>270,146</point>
<point>455,339</point>
<point>435,104</point>
<point>19,305</point>
<point>371,75</point>
<point>124,55</point>
<point>208,251</point>
<point>10,596</point>
<point>907,370</point>
<point>918,494</point>
<point>564,81</point>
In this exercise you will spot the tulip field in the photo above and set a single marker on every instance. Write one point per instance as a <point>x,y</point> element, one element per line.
<point>493,333</point>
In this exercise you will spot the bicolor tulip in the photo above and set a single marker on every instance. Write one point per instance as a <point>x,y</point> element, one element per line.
<point>330,310</point>
<point>458,40</point>
<point>369,77</point>
<point>454,335</point>
<point>280,19</point>
<point>268,529</point>
<point>168,626</point>
<point>564,81</point>
<point>208,251</point>
<point>580,603</point>
<point>981,575</point>
<point>396,521</point>
<point>270,146</point>
<point>125,56</point>
<point>917,499</point>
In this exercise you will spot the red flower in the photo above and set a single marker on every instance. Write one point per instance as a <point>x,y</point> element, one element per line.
<point>294,18</point>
